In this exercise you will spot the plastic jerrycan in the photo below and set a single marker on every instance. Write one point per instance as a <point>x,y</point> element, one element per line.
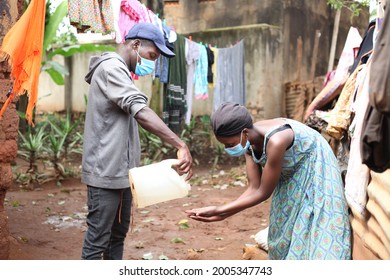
<point>157,182</point>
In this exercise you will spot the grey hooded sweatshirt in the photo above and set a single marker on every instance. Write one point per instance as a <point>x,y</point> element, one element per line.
<point>111,139</point>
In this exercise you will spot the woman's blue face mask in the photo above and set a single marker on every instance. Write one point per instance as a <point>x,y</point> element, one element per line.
<point>144,68</point>
<point>238,150</point>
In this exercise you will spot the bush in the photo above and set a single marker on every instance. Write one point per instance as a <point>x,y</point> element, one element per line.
<point>53,148</point>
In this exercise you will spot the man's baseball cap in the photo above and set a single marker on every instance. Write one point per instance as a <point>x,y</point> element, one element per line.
<point>149,31</point>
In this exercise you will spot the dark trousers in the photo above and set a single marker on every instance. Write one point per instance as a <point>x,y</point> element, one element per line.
<point>108,222</point>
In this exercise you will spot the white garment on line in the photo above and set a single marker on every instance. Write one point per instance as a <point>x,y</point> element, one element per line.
<point>192,55</point>
<point>358,174</point>
<point>347,56</point>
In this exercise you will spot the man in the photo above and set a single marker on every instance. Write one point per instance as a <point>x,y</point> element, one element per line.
<point>111,140</point>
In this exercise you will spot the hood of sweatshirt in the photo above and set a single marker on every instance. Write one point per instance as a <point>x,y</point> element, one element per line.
<point>95,61</point>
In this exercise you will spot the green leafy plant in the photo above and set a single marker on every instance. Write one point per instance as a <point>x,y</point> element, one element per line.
<point>29,180</point>
<point>53,20</point>
<point>219,151</point>
<point>62,142</point>
<point>55,148</point>
<point>354,6</point>
<point>31,145</point>
<point>153,148</point>
<point>63,128</point>
<point>50,142</point>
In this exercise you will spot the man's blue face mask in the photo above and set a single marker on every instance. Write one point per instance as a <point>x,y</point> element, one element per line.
<point>144,68</point>
<point>238,150</point>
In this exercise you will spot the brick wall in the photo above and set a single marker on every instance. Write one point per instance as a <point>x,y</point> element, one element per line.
<point>9,11</point>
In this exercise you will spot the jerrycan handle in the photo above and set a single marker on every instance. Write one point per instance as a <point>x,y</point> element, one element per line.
<point>169,163</point>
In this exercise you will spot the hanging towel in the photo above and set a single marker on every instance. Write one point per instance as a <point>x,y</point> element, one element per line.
<point>192,56</point>
<point>175,93</point>
<point>128,17</point>
<point>230,82</point>
<point>200,78</point>
<point>22,47</point>
<point>92,15</point>
<point>131,12</point>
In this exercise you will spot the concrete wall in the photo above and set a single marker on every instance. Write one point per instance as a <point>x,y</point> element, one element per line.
<point>52,97</point>
<point>293,18</point>
<point>270,30</point>
<point>263,48</point>
<point>191,15</point>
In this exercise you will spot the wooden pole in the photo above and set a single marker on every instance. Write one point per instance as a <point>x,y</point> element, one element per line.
<point>68,86</point>
<point>315,53</point>
<point>334,40</point>
<point>299,58</point>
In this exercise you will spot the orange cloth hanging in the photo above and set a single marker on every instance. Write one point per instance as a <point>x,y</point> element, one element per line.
<point>22,47</point>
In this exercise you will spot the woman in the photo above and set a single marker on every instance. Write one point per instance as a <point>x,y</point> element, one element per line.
<point>294,164</point>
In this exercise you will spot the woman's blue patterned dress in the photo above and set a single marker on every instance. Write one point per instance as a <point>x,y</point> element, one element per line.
<point>309,214</point>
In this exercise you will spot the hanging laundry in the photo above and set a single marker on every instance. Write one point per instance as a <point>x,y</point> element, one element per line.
<point>192,53</point>
<point>375,140</point>
<point>116,7</point>
<point>324,98</point>
<point>22,47</point>
<point>210,62</point>
<point>214,66</point>
<point>131,12</point>
<point>329,77</point>
<point>366,46</point>
<point>145,14</point>
<point>380,79</point>
<point>175,94</point>
<point>340,115</point>
<point>333,86</point>
<point>358,174</point>
<point>156,20</point>
<point>91,15</point>
<point>348,54</point>
<point>161,71</point>
<point>170,37</point>
<point>230,82</point>
<point>200,78</point>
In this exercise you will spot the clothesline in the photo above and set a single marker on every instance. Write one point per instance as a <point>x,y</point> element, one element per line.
<point>194,70</point>
<point>117,18</point>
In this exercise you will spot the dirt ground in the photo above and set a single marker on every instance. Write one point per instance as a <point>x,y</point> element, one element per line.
<point>48,223</point>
